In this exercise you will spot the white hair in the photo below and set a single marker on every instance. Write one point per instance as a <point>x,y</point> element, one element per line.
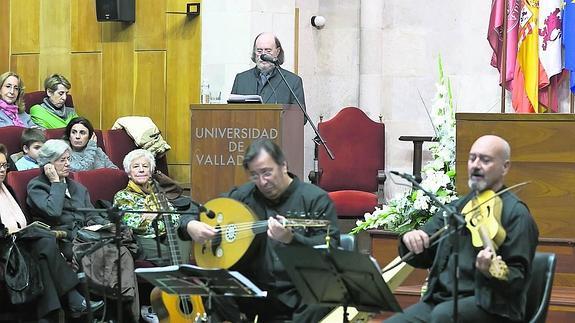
<point>52,150</point>
<point>135,154</point>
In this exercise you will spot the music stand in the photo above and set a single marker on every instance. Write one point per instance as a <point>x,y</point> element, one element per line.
<point>337,277</point>
<point>193,280</point>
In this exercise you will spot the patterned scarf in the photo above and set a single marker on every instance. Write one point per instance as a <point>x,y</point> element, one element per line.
<point>11,110</point>
<point>10,213</point>
<point>149,201</point>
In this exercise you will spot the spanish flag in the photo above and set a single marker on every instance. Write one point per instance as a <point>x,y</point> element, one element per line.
<point>526,80</point>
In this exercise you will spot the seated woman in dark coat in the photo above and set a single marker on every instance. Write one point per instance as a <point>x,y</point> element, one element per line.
<point>57,276</point>
<point>54,197</point>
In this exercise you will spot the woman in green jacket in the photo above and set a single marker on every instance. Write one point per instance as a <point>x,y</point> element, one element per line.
<point>53,112</point>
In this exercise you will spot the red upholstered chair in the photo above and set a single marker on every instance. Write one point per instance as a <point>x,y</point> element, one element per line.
<point>355,178</point>
<point>37,97</point>
<point>118,144</point>
<point>18,180</point>
<point>102,183</point>
<point>58,133</point>
<point>10,137</point>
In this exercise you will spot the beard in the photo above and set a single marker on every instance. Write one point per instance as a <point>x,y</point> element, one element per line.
<point>478,186</point>
<point>264,67</point>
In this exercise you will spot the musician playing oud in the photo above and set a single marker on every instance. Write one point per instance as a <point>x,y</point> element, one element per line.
<point>273,193</point>
<point>482,297</point>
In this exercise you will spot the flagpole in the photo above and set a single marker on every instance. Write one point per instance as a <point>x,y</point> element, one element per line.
<point>503,71</point>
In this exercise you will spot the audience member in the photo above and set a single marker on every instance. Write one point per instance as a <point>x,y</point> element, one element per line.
<point>57,276</point>
<point>12,102</point>
<point>85,153</point>
<point>140,195</point>
<point>31,141</point>
<point>53,112</point>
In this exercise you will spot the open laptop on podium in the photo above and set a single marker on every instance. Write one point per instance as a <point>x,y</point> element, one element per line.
<point>332,277</point>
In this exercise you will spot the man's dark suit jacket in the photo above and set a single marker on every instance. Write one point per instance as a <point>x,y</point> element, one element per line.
<point>274,91</point>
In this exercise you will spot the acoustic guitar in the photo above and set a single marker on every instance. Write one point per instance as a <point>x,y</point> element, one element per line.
<point>237,226</point>
<point>172,308</point>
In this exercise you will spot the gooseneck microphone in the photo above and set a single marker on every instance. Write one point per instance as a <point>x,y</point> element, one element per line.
<point>269,58</point>
<point>406,176</point>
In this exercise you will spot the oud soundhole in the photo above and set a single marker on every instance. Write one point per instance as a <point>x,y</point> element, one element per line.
<point>231,233</point>
<point>186,306</point>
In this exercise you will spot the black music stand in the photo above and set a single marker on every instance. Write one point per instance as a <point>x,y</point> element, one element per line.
<point>193,280</point>
<point>331,277</point>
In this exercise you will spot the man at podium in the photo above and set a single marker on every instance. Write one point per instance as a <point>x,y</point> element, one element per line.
<point>484,293</point>
<point>273,193</point>
<point>264,79</point>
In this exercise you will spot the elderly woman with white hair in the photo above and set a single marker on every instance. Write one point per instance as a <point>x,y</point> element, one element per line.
<point>140,195</point>
<point>54,197</point>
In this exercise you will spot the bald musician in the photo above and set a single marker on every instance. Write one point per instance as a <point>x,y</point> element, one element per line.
<point>481,297</point>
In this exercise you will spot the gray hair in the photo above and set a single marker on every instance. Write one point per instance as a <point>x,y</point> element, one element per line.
<point>52,150</point>
<point>135,154</point>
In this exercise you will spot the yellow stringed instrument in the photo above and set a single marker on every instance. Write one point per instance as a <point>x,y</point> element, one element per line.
<point>237,226</point>
<point>483,218</point>
<point>172,308</point>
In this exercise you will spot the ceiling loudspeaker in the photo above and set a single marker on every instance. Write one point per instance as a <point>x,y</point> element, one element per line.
<point>116,10</point>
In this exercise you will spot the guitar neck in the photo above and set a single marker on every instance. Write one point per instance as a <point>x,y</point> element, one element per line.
<point>173,246</point>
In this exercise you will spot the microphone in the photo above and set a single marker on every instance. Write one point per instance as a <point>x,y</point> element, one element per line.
<point>406,176</point>
<point>269,58</point>
<point>211,214</point>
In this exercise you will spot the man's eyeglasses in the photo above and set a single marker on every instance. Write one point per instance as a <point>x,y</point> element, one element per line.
<point>4,165</point>
<point>255,176</point>
<point>264,50</point>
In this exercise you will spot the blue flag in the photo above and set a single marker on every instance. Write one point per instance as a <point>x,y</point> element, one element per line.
<point>569,40</point>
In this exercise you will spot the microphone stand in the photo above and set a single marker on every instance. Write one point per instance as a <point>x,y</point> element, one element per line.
<point>318,138</point>
<point>456,222</point>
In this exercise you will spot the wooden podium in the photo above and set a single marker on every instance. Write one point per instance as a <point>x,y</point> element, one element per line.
<point>221,133</point>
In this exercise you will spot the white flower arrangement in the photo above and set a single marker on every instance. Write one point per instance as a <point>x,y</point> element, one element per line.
<point>413,208</point>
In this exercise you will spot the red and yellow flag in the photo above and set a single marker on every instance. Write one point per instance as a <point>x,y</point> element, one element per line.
<point>526,81</point>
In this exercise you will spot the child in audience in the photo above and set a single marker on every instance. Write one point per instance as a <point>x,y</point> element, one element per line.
<point>32,140</point>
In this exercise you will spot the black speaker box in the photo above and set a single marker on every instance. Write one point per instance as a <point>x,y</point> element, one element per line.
<point>116,10</point>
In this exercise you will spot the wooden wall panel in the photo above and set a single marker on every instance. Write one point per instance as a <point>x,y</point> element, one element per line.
<point>151,25</point>
<point>86,31</point>
<point>54,38</point>
<point>27,67</point>
<point>117,72</point>
<point>183,81</point>
<point>177,5</point>
<point>151,67</point>
<point>86,89</point>
<point>4,37</point>
<point>25,27</point>
<point>150,81</point>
